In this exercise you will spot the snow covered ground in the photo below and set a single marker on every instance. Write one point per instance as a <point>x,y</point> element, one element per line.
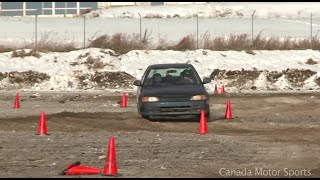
<point>239,71</point>
<point>283,10</point>
<point>69,71</point>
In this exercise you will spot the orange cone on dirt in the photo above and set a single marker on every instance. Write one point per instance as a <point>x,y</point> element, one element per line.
<point>124,100</point>
<point>222,89</point>
<point>203,123</point>
<point>42,129</point>
<point>17,102</point>
<point>228,114</point>
<point>216,90</point>
<point>82,170</point>
<point>69,166</point>
<point>110,167</point>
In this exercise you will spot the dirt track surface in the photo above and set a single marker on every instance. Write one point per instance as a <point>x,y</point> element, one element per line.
<point>276,133</point>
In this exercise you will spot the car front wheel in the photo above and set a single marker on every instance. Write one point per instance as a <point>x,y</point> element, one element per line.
<point>140,115</point>
<point>197,117</point>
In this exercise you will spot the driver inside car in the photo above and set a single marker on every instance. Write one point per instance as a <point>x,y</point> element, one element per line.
<point>187,77</point>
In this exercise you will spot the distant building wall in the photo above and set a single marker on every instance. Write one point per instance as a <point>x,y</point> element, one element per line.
<point>103,5</point>
<point>45,8</point>
<point>69,8</point>
<point>178,3</point>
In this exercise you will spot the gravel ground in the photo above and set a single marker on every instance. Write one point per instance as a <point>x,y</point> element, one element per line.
<point>271,135</point>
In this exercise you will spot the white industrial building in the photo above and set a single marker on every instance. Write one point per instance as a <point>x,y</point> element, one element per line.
<point>117,4</point>
<point>68,8</point>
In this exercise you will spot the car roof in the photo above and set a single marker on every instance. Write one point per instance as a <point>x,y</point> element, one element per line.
<point>171,65</point>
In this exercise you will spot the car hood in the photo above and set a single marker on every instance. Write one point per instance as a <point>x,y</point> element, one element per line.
<point>173,90</point>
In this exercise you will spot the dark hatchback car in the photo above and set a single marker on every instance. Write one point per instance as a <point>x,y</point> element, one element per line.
<point>171,90</point>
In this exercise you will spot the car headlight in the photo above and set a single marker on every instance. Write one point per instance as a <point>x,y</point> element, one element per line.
<point>198,97</point>
<point>150,99</point>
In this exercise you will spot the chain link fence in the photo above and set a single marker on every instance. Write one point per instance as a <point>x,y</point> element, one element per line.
<point>80,31</point>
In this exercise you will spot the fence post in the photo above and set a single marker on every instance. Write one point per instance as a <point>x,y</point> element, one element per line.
<point>252,29</point>
<point>197,31</point>
<point>36,32</point>
<point>24,8</point>
<point>65,10</point>
<point>140,28</point>
<point>42,6</point>
<point>84,32</point>
<point>311,31</point>
<point>53,8</point>
<point>78,8</point>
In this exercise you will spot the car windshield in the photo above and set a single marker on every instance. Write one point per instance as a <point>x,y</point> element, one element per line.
<point>165,76</point>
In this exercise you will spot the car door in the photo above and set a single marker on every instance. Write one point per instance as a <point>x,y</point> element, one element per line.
<point>139,88</point>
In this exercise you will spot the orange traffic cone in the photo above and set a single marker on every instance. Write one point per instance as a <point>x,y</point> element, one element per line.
<point>216,90</point>
<point>228,114</point>
<point>82,170</point>
<point>222,89</point>
<point>17,102</point>
<point>203,123</point>
<point>42,130</point>
<point>124,100</point>
<point>69,165</point>
<point>110,167</point>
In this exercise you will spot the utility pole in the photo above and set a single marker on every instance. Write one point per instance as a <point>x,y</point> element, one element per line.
<point>36,31</point>
<point>252,28</point>
<point>197,31</point>
<point>311,31</point>
<point>84,32</point>
<point>140,28</point>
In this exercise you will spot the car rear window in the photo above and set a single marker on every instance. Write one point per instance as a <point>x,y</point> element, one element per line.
<point>165,76</point>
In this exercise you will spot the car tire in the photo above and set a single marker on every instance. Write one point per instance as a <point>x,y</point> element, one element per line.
<point>197,117</point>
<point>140,115</point>
<point>208,115</point>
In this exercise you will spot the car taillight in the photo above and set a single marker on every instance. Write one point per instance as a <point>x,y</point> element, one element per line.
<point>150,99</point>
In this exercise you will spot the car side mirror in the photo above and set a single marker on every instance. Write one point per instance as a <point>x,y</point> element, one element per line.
<point>206,80</point>
<point>137,83</point>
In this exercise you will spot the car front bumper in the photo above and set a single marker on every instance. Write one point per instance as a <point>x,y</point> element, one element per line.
<point>174,108</point>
